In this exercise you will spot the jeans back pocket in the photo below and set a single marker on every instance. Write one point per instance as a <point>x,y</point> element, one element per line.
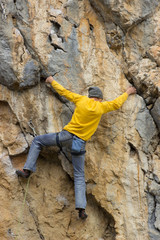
<point>78,146</point>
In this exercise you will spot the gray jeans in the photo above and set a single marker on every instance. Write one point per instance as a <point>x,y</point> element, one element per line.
<point>78,161</point>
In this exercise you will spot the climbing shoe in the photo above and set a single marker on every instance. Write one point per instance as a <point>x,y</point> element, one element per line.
<point>23,173</point>
<point>82,214</point>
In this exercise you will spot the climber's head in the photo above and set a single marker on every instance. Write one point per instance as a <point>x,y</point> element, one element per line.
<point>96,93</point>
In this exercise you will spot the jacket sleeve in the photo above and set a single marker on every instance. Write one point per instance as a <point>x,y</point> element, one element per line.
<point>73,97</point>
<point>109,106</point>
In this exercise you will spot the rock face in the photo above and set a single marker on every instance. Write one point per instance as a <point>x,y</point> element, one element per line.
<point>82,43</point>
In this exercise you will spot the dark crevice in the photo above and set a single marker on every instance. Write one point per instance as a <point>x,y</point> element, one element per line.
<point>35,219</point>
<point>131,81</point>
<point>36,223</point>
<point>142,91</point>
<point>153,231</point>
<point>62,38</point>
<point>109,231</point>
<point>75,25</point>
<point>43,76</point>
<point>56,26</point>
<point>138,22</point>
<point>156,179</point>
<point>56,30</point>
<point>18,16</point>
<point>57,47</point>
<point>91,27</point>
<point>133,149</point>
<point>14,20</point>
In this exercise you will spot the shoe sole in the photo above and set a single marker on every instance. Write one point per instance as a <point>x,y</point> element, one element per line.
<point>84,217</point>
<point>21,174</point>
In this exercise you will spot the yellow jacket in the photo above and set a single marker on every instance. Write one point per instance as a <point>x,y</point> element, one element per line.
<point>88,112</point>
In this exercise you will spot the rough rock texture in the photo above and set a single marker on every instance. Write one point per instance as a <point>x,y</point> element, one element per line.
<point>82,43</point>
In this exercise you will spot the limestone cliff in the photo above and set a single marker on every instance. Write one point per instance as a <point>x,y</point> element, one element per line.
<point>107,43</point>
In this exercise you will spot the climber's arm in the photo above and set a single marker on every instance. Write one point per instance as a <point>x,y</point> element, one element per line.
<point>73,97</point>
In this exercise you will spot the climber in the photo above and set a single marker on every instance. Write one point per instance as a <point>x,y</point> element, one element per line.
<point>82,126</point>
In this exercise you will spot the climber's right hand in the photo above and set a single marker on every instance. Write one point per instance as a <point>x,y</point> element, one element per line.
<point>49,79</point>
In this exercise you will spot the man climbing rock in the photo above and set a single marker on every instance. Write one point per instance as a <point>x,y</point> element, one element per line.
<point>82,126</point>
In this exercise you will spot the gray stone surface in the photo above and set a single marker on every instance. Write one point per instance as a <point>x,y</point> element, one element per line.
<point>7,75</point>
<point>154,210</point>
<point>145,126</point>
<point>157,214</point>
<point>125,13</point>
<point>31,74</point>
<point>71,57</point>
<point>156,113</point>
<point>66,52</point>
<point>106,44</point>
